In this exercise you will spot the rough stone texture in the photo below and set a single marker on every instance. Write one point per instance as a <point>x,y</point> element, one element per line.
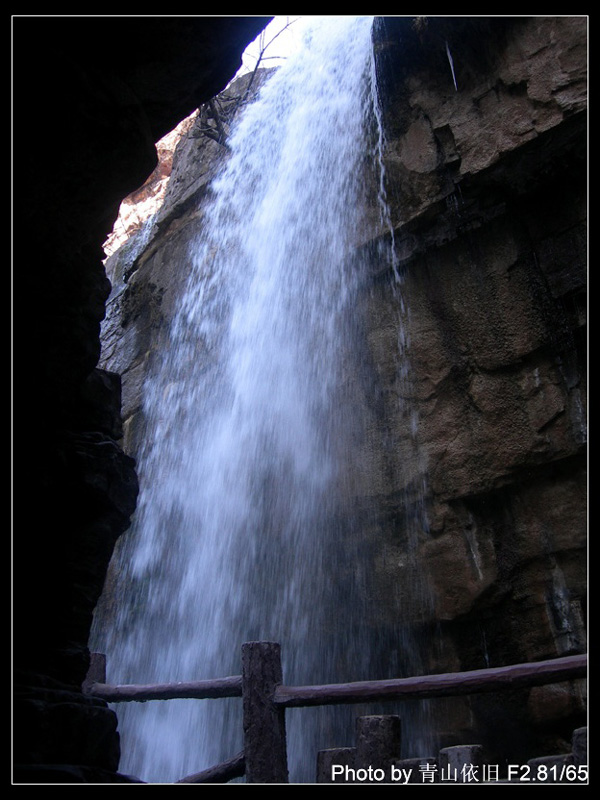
<point>149,271</point>
<point>522,76</point>
<point>91,96</point>
<point>489,203</point>
<point>378,743</point>
<point>142,203</point>
<point>487,183</point>
<point>456,762</point>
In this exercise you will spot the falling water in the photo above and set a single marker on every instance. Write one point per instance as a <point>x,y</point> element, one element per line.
<point>239,534</point>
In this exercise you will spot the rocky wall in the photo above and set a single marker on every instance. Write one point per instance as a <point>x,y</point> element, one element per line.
<point>478,421</point>
<point>486,160</point>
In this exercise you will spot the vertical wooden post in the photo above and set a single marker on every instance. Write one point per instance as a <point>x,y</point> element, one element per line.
<point>461,762</point>
<point>265,745</point>
<point>378,740</point>
<point>334,757</point>
<point>580,755</point>
<point>96,672</point>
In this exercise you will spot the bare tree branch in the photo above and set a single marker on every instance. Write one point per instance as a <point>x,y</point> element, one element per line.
<point>214,116</point>
<point>261,55</point>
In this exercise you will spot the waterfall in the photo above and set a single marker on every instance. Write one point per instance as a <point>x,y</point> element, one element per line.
<point>240,533</point>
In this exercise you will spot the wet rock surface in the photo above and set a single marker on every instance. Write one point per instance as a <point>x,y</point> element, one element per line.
<point>486,164</point>
<point>491,238</point>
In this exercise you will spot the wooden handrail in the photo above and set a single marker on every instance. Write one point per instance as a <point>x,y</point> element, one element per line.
<point>442,685</point>
<point>197,690</point>
<point>264,758</point>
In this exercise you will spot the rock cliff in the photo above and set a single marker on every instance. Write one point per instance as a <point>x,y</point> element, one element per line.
<point>486,129</point>
<point>486,158</point>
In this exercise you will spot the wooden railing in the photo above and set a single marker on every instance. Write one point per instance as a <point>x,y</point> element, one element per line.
<point>265,698</point>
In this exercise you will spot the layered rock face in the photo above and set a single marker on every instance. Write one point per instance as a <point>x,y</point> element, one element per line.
<point>481,420</point>
<point>91,98</point>
<point>149,272</point>
<point>486,162</point>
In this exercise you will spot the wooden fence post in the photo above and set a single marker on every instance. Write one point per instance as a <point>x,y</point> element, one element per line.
<point>330,762</point>
<point>461,762</point>
<point>96,672</point>
<point>580,755</point>
<point>378,741</point>
<point>265,745</point>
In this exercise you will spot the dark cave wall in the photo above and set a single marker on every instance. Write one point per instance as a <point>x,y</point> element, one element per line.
<point>91,96</point>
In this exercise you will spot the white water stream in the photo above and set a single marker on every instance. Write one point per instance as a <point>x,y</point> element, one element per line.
<point>239,534</point>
